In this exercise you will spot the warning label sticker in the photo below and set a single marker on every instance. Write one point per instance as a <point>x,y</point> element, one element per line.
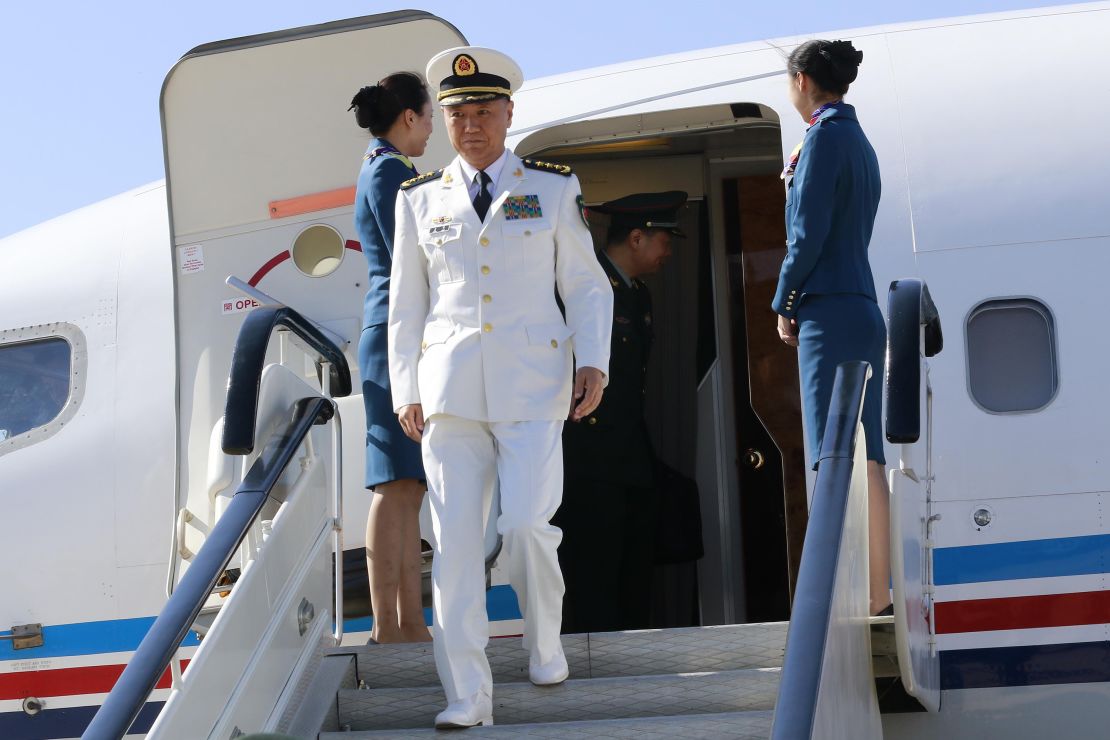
<point>238,305</point>
<point>190,259</point>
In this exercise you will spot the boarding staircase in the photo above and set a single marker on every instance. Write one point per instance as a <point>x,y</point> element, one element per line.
<point>711,682</point>
<point>270,662</point>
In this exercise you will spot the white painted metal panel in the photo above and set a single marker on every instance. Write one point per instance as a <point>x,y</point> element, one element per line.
<point>917,660</point>
<point>1053,450</point>
<point>911,556</point>
<point>92,488</point>
<point>246,124</point>
<point>255,643</point>
<point>995,184</point>
<point>1015,713</point>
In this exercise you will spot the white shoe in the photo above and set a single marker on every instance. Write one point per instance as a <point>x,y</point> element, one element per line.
<point>554,671</point>
<point>469,712</point>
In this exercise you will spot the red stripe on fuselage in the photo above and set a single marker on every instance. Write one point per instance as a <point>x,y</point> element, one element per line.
<point>1023,612</point>
<point>93,679</point>
<point>279,258</point>
<point>274,262</point>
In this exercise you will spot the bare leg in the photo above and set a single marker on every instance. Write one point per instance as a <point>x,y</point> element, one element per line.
<point>384,556</point>
<point>878,515</point>
<point>410,601</point>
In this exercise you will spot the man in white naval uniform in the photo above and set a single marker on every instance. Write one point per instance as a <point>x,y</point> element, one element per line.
<point>482,365</point>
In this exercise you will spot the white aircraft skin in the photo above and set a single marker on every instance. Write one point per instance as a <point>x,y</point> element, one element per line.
<point>989,132</point>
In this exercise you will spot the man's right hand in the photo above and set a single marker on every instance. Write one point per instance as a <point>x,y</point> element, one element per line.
<point>412,421</point>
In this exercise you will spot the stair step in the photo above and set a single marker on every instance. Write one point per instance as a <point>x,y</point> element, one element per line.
<point>577,699</point>
<point>596,655</point>
<point>753,725</point>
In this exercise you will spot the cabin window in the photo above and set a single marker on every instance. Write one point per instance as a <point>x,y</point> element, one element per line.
<point>1011,355</point>
<point>318,250</point>
<point>34,384</point>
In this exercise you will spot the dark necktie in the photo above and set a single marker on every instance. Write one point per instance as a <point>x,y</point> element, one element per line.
<point>483,199</point>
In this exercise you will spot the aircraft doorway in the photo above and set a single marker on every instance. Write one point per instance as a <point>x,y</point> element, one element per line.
<point>722,401</point>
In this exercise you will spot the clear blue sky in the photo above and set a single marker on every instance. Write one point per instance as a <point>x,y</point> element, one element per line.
<point>79,81</point>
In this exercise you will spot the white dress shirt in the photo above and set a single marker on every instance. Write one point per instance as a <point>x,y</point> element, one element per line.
<point>494,172</point>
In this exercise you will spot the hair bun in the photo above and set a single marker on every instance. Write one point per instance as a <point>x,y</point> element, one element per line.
<point>844,60</point>
<point>842,53</point>
<point>364,104</point>
<point>366,97</point>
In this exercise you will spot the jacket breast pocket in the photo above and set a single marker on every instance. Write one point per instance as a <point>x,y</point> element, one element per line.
<point>444,248</point>
<point>529,242</point>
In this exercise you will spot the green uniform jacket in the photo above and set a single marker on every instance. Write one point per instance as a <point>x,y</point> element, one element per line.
<point>612,444</point>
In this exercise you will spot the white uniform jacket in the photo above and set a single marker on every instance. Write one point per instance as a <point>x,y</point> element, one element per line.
<point>474,327</point>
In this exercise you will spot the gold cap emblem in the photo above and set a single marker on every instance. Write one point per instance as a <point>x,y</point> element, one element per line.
<point>465,65</point>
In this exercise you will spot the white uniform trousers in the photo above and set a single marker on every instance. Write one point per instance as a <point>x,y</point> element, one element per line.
<point>461,458</point>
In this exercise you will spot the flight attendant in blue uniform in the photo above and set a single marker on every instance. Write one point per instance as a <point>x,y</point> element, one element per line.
<point>825,299</point>
<point>398,113</point>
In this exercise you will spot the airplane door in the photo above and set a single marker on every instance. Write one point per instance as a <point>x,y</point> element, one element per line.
<point>768,411</point>
<point>261,160</point>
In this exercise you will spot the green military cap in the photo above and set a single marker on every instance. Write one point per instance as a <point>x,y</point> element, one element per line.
<point>645,211</point>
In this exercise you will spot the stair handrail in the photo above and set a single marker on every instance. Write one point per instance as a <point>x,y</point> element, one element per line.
<point>249,357</point>
<point>130,693</point>
<point>146,666</point>
<point>796,708</point>
<point>913,329</point>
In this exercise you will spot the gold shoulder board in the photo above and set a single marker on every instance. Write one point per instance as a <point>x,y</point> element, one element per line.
<point>421,179</point>
<point>559,169</point>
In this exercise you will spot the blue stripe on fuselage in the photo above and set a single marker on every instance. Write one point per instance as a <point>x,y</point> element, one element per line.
<point>1025,665</point>
<point>88,638</point>
<point>124,635</point>
<point>67,722</point>
<point>1008,561</point>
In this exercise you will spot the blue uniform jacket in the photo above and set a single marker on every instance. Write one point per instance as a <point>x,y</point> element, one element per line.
<point>830,212</point>
<point>379,180</point>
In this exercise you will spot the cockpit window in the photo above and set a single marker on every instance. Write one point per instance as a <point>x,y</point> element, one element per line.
<point>34,384</point>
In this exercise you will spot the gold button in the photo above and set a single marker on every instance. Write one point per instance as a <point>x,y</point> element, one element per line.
<point>484,241</point>
<point>423,345</point>
<point>487,328</point>
<point>592,420</point>
<point>487,298</point>
<point>485,269</point>
<point>554,343</point>
<point>439,241</point>
<point>528,233</point>
<point>624,339</point>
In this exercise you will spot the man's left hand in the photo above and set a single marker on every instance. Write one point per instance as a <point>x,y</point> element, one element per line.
<point>588,382</point>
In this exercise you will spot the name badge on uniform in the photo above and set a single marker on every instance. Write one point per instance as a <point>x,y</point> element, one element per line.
<point>517,207</point>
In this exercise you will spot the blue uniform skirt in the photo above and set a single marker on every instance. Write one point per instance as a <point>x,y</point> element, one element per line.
<point>832,329</point>
<point>390,455</point>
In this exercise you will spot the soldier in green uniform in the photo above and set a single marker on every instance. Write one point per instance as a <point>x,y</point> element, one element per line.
<point>609,499</point>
